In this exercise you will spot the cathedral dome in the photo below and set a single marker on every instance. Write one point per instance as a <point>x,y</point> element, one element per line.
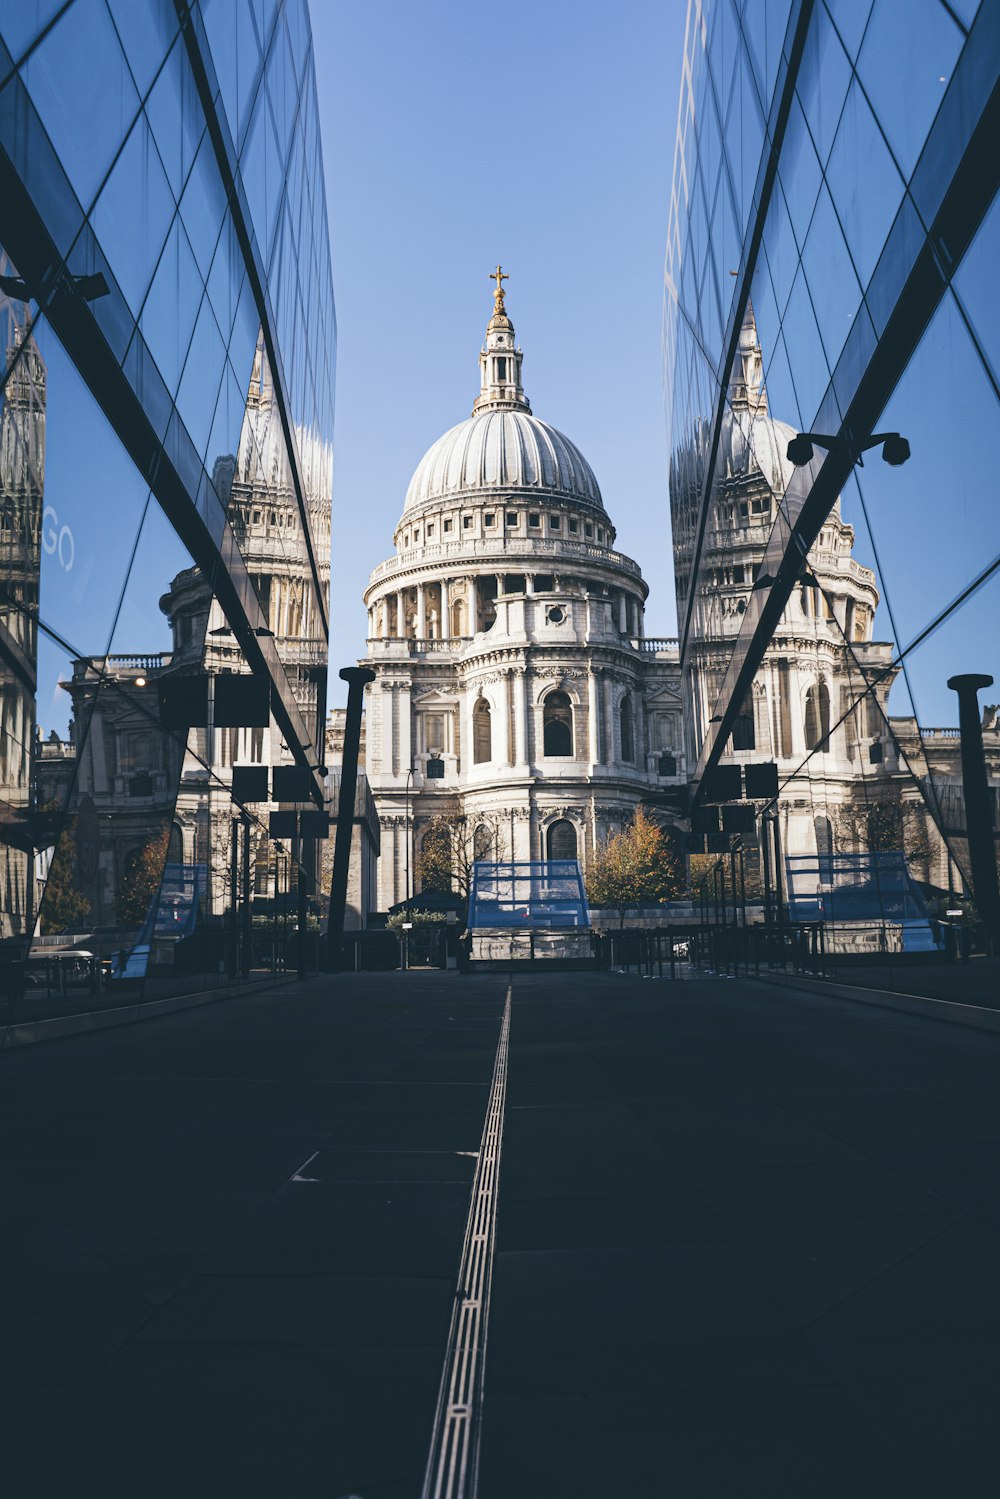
<point>506,450</point>
<point>753,441</point>
<point>502,450</point>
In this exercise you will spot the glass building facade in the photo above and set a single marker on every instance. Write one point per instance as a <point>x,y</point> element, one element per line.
<point>830,269</point>
<point>165,475</point>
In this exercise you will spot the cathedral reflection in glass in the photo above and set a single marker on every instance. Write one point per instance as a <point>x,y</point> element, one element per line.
<point>168,337</point>
<point>830,270</point>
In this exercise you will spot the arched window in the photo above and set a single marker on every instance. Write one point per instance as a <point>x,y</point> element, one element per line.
<point>482,843</point>
<point>175,847</point>
<point>824,837</point>
<point>818,716</point>
<point>557,725</point>
<point>458,618</point>
<point>482,738</point>
<point>743,736</point>
<point>560,840</point>
<point>628,736</point>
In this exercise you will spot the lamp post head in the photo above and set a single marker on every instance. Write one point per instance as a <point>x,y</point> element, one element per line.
<point>971,682</point>
<point>800,450</point>
<point>895,450</point>
<point>356,675</point>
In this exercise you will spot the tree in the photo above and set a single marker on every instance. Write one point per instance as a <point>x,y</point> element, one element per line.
<point>140,879</point>
<point>64,906</point>
<point>450,847</point>
<point>882,823</point>
<point>641,863</point>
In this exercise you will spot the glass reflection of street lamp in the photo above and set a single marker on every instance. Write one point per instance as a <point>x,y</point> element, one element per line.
<point>895,449</point>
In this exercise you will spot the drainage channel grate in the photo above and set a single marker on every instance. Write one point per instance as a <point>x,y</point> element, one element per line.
<point>453,1462</point>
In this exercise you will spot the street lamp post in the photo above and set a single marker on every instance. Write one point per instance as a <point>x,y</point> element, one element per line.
<point>978,805</point>
<point>357,679</point>
<point>408,832</point>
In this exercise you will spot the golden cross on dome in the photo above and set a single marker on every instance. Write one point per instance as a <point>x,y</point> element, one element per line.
<point>499,277</point>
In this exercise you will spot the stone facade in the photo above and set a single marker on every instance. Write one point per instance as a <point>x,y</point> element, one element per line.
<point>515,686</point>
<point>799,714</point>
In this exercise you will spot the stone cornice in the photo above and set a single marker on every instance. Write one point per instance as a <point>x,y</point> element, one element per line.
<point>491,554</point>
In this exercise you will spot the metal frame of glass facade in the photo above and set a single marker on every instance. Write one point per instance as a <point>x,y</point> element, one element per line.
<point>833,223</point>
<point>169,318</point>
<point>940,208</point>
<point>528,893</point>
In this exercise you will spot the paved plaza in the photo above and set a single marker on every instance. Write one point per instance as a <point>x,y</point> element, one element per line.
<point>747,1243</point>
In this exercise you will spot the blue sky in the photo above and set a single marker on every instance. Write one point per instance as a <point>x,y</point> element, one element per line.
<point>541,136</point>
<point>456,136</point>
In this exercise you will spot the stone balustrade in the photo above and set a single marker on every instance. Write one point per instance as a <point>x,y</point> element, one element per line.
<point>506,547</point>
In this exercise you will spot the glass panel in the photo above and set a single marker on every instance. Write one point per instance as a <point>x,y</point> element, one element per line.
<point>133,214</point>
<point>850,18</point>
<point>905,64</point>
<point>804,348</point>
<point>94,501</point>
<point>175,117</point>
<point>21,23</point>
<point>169,313</point>
<point>866,202</point>
<point>821,85</point>
<point>799,171</point>
<point>943,394</point>
<point>146,33</point>
<point>836,294</point>
<point>975,283</point>
<point>87,110</point>
<point>203,205</point>
<point>202,378</point>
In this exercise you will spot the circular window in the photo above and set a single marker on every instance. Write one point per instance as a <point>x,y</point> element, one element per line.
<point>555,615</point>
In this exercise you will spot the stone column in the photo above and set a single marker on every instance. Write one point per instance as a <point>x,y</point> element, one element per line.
<point>465,732</point>
<point>609,722</point>
<point>405,747</point>
<point>389,719</point>
<point>623,613</point>
<point>796,712</point>
<point>397,892</point>
<point>445,630</point>
<point>421,626</point>
<point>593,686</point>
<point>400,616</point>
<point>520,723</point>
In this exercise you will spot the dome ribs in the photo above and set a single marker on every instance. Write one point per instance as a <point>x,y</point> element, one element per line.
<point>501,450</point>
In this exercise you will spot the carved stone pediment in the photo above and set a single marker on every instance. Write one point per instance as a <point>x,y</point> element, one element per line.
<point>427,696</point>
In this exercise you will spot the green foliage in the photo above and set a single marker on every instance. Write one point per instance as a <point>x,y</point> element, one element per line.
<point>65,908</point>
<point>140,880</point>
<point>449,850</point>
<point>418,918</point>
<point>436,862</point>
<point>642,863</point>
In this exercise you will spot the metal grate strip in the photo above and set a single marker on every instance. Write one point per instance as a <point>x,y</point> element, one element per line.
<point>453,1461</point>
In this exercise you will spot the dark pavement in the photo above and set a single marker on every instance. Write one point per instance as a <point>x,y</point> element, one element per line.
<point>747,1243</point>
